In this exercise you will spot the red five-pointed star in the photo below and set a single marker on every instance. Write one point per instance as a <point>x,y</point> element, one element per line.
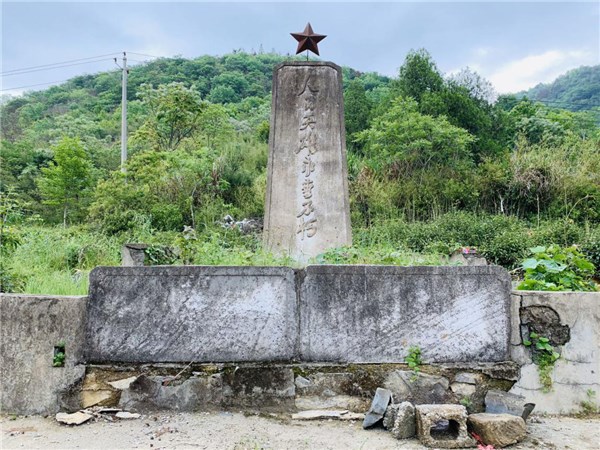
<point>308,40</point>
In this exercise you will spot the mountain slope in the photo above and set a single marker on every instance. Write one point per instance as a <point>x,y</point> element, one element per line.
<point>576,90</point>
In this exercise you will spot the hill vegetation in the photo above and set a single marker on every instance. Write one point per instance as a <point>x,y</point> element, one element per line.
<point>435,163</point>
<point>576,90</point>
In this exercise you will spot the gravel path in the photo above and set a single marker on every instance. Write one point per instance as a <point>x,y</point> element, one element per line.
<point>237,431</point>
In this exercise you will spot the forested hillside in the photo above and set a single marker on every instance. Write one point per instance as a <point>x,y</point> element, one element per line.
<point>434,164</point>
<point>576,90</point>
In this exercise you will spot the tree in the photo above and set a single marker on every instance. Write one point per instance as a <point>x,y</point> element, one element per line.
<point>67,181</point>
<point>174,113</point>
<point>419,75</point>
<point>357,108</point>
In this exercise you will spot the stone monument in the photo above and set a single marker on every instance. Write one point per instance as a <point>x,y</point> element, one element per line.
<point>307,208</point>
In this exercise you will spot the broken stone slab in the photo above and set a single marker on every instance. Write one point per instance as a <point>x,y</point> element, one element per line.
<point>76,418</point>
<point>443,426</point>
<point>127,415</point>
<point>318,414</point>
<point>500,402</point>
<point>418,388</point>
<point>498,430</point>
<point>380,402</point>
<point>404,426</point>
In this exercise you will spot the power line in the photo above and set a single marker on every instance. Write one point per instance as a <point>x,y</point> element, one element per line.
<point>56,67</point>
<point>33,85</point>
<point>144,54</point>
<point>57,63</point>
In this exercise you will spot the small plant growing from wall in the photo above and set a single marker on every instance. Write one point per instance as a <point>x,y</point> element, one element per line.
<point>58,360</point>
<point>588,406</point>
<point>414,361</point>
<point>557,269</point>
<point>544,356</point>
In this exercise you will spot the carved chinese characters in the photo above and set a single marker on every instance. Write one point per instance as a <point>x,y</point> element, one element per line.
<point>307,209</point>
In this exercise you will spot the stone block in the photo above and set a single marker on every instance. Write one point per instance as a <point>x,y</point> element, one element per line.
<point>32,325</point>
<point>191,313</point>
<point>443,426</point>
<point>404,426</point>
<point>373,314</point>
<point>307,207</point>
<point>133,255</point>
<point>498,430</point>
<point>500,402</point>
<point>379,405</point>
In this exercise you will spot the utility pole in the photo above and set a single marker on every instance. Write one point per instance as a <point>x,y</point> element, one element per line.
<point>123,112</point>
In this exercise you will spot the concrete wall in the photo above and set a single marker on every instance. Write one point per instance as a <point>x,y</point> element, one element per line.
<point>572,322</point>
<point>324,314</point>
<point>375,313</point>
<point>191,313</point>
<point>31,325</point>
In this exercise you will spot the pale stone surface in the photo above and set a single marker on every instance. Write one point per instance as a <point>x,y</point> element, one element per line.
<point>76,418</point>
<point>498,430</point>
<point>122,384</point>
<point>463,389</point>
<point>327,414</point>
<point>430,417</point>
<point>390,416</point>
<point>92,398</point>
<point>404,426</point>
<point>31,326</point>
<point>375,313</point>
<point>380,402</point>
<point>307,206</point>
<point>191,313</point>
<point>127,415</point>
<point>577,370</point>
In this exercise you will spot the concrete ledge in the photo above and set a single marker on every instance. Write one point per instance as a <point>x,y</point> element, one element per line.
<point>191,313</point>
<point>31,325</point>
<point>373,314</point>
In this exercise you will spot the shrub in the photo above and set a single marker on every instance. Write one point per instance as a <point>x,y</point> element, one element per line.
<point>557,269</point>
<point>506,249</point>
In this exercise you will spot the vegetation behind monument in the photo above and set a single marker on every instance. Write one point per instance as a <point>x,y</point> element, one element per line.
<point>434,163</point>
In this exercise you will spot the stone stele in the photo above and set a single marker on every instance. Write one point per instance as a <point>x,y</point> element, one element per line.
<point>307,208</point>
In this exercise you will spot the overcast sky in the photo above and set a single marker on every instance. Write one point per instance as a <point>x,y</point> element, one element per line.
<point>514,45</point>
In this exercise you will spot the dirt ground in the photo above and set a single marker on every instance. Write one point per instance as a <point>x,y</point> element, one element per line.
<point>224,430</point>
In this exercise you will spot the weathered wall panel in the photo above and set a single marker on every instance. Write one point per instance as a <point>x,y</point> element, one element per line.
<point>191,313</point>
<point>375,313</point>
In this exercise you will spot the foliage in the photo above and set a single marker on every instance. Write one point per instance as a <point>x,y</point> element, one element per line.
<point>413,359</point>
<point>544,357</point>
<point>67,181</point>
<point>589,405</point>
<point>557,269</point>
<point>59,355</point>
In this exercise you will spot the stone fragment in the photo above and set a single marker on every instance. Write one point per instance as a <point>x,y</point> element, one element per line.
<point>498,430</point>
<point>418,388</point>
<point>500,402</point>
<point>122,384</point>
<point>127,415</point>
<point>317,414</point>
<point>302,382</point>
<point>443,426</point>
<point>404,423</point>
<point>92,398</point>
<point>390,416</point>
<point>133,255</point>
<point>379,405</point>
<point>76,418</point>
<point>468,378</point>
